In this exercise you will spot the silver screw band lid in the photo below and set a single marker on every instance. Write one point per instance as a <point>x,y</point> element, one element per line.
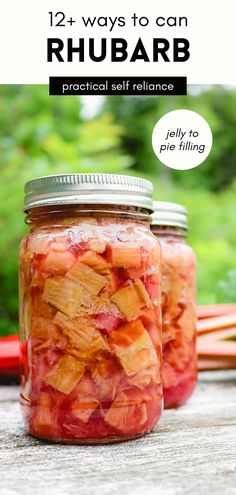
<point>170,215</point>
<point>110,189</point>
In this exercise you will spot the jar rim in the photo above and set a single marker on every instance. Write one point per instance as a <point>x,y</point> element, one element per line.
<point>90,188</point>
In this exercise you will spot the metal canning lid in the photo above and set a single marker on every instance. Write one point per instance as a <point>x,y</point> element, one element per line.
<point>170,214</point>
<point>110,189</point>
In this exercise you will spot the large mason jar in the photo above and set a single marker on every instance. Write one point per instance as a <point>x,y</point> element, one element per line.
<point>169,224</point>
<point>90,324</point>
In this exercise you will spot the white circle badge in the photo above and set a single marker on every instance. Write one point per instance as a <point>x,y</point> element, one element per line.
<point>182,139</point>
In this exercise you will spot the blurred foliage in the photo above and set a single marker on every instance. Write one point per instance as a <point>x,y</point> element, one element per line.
<point>41,135</point>
<point>138,115</point>
<point>227,287</point>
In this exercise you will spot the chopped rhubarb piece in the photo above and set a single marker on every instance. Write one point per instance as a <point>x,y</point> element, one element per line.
<point>52,357</point>
<point>97,245</point>
<point>102,304</point>
<point>124,412</point>
<point>65,294</point>
<point>38,370</point>
<point>131,299</point>
<point>134,348</point>
<point>83,338</point>
<point>127,334</point>
<point>154,256</point>
<point>39,244</point>
<point>169,376</point>
<point>66,374</point>
<point>58,262</point>
<point>142,291</point>
<point>140,399</point>
<point>187,321</point>
<point>37,281</point>
<point>97,262</point>
<point>147,316</point>
<point>119,412</point>
<point>150,319</point>
<point>87,278</point>
<point>83,407</point>
<point>79,332</point>
<point>125,256</point>
<point>137,397</point>
<point>152,287</point>
<point>41,308</point>
<point>154,335</point>
<point>59,245</point>
<point>98,345</point>
<point>113,282</point>
<point>139,272</point>
<point>136,360</point>
<point>107,375</point>
<point>128,301</point>
<point>146,376</point>
<point>179,352</point>
<point>168,333</point>
<point>106,367</point>
<point>108,322</point>
<point>86,386</point>
<point>43,328</point>
<point>42,421</point>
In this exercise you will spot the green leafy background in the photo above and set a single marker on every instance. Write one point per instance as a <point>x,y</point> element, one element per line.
<point>42,135</point>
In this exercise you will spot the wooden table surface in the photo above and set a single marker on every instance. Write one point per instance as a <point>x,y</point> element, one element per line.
<point>192,451</point>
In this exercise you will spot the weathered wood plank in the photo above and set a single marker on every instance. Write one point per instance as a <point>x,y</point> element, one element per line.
<point>9,393</point>
<point>192,452</point>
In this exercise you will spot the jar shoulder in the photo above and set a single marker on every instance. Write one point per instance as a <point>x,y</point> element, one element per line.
<point>177,252</point>
<point>116,231</point>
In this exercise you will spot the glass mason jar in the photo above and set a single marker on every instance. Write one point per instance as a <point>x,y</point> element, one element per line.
<point>169,225</point>
<point>90,319</point>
